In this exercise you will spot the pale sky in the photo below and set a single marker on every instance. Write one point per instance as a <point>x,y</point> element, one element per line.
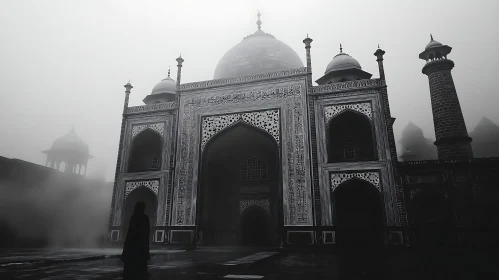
<point>64,63</point>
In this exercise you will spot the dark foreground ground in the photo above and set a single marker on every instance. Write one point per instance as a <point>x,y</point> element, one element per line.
<point>254,263</point>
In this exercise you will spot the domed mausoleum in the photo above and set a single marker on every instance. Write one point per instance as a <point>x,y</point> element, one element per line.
<point>69,153</point>
<point>261,156</point>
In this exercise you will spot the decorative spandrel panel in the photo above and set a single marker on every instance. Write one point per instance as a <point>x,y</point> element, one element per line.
<point>153,185</point>
<point>371,177</point>
<point>262,203</point>
<point>278,102</point>
<point>266,120</point>
<point>334,110</point>
<point>158,127</point>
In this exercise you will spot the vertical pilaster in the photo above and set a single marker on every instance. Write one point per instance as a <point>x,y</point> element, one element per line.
<point>128,88</point>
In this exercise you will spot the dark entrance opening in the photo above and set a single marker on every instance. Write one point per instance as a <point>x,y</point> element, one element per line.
<point>149,198</point>
<point>254,227</point>
<point>359,224</point>
<point>239,164</point>
<point>358,215</point>
<point>350,138</point>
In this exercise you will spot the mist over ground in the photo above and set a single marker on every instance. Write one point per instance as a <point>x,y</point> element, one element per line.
<point>61,211</point>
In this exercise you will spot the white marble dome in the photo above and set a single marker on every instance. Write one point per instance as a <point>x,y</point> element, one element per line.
<point>257,53</point>
<point>167,85</point>
<point>342,61</point>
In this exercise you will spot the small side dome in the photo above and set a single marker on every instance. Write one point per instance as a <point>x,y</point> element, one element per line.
<point>342,61</point>
<point>167,85</point>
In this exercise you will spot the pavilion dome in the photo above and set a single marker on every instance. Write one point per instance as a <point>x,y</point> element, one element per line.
<point>70,143</point>
<point>432,44</point>
<point>342,61</point>
<point>258,53</point>
<point>167,85</point>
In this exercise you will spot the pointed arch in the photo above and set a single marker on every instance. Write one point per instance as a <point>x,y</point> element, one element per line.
<point>146,151</point>
<point>350,135</point>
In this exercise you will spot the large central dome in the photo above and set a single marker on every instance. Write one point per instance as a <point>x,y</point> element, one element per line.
<point>257,53</point>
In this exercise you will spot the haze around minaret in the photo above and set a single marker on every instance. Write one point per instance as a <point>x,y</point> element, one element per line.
<point>64,63</point>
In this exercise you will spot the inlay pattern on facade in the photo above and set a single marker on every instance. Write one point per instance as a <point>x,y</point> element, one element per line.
<point>245,203</point>
<point>339,178</point>
<point>158,127</point>
<point>290,98</point>
<point>334,110</point>
<point>266,120</point>
<point>153,185</point>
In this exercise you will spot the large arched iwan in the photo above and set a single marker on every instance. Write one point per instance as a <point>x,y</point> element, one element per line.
<point>350,137</point>
<point>222,185</point>
<point>358,214</point>
<point>145,154</point>
<point>140,194</point>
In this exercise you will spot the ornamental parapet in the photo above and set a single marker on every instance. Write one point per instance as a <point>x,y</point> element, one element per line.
<point>166,106</point>
<point>486,163</point>
<point>244,79</point>
<point>347,86</point>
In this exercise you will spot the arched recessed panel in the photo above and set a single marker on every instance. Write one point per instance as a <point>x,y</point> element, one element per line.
<point>146,152</point>
<point>358,214</point>
<point>350,137</point>
<point>140,194</point>
<point>221,201</point>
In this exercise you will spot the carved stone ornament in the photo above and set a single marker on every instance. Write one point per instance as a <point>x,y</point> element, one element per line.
<point>243,79</point>
<point>245,203</point>
<point>266,120</point>
<point>153,185</point>
<point>152,107</point>
<point>334,110</point>
<point>158,127</point>
<point>339,178</point>
<point>358,84</point>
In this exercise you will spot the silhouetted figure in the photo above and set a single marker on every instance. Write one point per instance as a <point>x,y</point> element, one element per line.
<point>136,248</point>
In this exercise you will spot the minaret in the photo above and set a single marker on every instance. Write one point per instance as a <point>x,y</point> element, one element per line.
<point>307,41</point>
<point>452,138</point>
<point>180,60</point>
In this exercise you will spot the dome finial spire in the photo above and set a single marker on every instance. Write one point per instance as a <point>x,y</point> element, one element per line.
<point>168,71</point>
<point>259,22</point>
<point>341,48</point>
<point>431,36</point>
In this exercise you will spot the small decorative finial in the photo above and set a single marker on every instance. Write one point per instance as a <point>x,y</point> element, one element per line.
<point>168,71</point>
<point>128,80</point>
<point>378,46</point>
<point>431,36</point>
<point>341,48</point>
<point>307,35</point>
<point>259,22</point>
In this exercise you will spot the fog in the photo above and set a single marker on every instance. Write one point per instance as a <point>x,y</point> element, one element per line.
<point>60,211</point>
<point>64,63</point>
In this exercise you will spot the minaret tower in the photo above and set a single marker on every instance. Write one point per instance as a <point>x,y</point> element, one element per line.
<point>452,138</point>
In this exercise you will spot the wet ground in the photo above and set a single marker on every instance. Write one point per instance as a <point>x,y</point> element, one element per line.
<point>254,263</point>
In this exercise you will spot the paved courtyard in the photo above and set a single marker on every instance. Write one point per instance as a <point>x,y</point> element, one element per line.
<point>253,263</point>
